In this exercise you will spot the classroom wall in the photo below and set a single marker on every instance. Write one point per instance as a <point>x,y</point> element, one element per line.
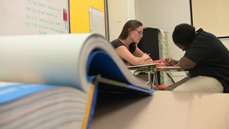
<point>79,14</point>
<point>165,15</point>
<point>119,11</point>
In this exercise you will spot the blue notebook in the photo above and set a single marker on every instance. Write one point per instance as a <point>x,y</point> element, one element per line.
<point>47,72</point>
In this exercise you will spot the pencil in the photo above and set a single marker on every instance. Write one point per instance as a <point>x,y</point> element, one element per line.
<point>171,56</point>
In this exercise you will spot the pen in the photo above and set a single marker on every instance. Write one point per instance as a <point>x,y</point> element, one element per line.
<point>148,56</point>
<point>171,56</point>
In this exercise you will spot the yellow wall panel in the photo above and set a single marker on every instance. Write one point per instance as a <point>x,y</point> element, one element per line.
<point>98,4</point>
<point>79,14</point>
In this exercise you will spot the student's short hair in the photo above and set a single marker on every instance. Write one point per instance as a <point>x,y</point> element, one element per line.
<point>183,34</point>
<point>131,24</point>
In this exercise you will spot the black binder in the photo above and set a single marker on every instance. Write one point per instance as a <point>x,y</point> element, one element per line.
<point>150,44</point>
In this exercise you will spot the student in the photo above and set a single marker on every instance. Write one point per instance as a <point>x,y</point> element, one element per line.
<point>126,44</point>
<point>206,59</point>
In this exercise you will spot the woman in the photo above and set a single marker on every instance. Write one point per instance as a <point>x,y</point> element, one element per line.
<point>126,44</point>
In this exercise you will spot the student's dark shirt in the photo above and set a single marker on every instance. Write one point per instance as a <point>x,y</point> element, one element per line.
<point>117,43</point>
<point>211,58</point>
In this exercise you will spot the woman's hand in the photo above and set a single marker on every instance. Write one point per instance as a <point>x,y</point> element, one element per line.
<point>146,56</point>
<point>148,60</point>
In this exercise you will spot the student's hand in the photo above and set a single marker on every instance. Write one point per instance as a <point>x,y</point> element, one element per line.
<point>171,62</point>
<point>149,61</point>
<point>146,56</point>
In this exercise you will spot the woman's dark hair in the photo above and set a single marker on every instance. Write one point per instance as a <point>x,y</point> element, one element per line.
<point>183,34</point>
<point>131,24</point>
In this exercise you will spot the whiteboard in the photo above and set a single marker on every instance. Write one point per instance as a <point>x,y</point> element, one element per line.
<point>28,17</point>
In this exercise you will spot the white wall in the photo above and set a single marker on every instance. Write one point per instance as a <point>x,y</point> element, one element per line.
<point>119,11</point>
<point>165,15</point>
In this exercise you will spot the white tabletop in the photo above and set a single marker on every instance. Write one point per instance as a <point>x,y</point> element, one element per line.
<point>144,65</point>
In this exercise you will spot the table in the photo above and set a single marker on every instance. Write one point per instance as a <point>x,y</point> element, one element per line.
<point>154,68</point>
<point>168,69</point>
<point>163,110</point>
<point>148,68</point>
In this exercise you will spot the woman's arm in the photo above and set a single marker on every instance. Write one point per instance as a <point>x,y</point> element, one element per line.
<point>128,56</point>
<point>139,53</point>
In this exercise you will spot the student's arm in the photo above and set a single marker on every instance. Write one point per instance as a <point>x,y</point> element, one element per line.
<point>186,63</point>
<point>132,59</point>
<point>139,53</point>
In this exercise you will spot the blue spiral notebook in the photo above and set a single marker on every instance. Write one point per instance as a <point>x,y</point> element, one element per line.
<point>58,75</point>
